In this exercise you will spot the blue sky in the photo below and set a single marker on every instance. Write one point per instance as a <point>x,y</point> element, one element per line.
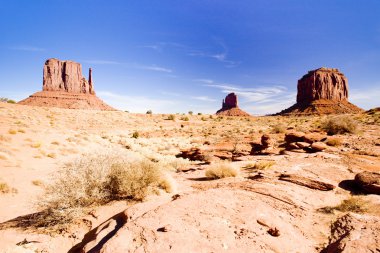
<point>177,56</point>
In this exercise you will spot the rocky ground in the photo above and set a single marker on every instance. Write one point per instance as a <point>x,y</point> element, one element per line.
<point>286,197</point>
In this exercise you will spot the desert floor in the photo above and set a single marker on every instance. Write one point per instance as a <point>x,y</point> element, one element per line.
<point>196,214</point>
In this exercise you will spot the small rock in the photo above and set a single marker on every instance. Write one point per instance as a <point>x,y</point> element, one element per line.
<point>291,146</point>
<point>165,228</point>
<point>318,146</point>
<point>274,232</point>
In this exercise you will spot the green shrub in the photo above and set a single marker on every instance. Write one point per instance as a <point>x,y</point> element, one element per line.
<point>339,125</point>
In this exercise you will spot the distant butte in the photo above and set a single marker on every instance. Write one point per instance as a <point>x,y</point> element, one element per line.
<point>65,87</point>
<point>322,91</point>
<point>230,107</point>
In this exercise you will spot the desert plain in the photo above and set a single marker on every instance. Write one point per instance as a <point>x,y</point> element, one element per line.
<point>213,193</point>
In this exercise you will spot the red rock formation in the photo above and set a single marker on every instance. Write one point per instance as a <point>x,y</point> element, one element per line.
<point>230,107</point>
<point>322,83</point>
<point>64,86</point>
<point>322,91</point>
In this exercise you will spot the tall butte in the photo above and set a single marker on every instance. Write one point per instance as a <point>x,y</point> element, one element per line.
<point>65,87</point>
<point>230,107</point>
<point>322,91</point>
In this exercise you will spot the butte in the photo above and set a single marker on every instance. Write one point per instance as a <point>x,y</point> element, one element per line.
<point>322,91</point>
<point>230,107</point>
<point>65,87</point>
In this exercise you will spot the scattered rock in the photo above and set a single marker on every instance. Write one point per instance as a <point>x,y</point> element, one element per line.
<point>354,233</point>
<point>266,147</point>
<point>318,146</point>
<point>291,146</point>
<point>307,182</point>
<point>193,154</point>
<point>369,182</point>
<point>302,144</point>
<point>230,107</point>
<point>294,137</point>
<point>314,137</point>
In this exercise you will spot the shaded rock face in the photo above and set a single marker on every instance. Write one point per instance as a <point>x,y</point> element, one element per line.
<point>322,91</point>
<point>66,76</point>
<point>230,107</point>
<point>231,101</point>
<point>322,83</point>
<point>65,87</point>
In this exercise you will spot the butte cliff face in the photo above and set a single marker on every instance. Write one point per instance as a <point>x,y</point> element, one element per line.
<point>65,87</point>
<point>66,76</point>
<point>322,91</point>
<point>230,107</point>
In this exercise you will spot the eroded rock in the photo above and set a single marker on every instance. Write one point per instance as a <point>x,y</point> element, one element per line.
<point>368,181</point>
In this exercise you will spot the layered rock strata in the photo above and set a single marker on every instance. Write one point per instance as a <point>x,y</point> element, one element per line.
<point>230,107</point>
<point>65,87</point>
<point>322,91</point>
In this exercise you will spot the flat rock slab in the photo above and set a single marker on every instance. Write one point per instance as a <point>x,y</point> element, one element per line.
<point>310,183</point>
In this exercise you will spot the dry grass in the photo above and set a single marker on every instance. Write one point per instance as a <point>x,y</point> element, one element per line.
<point>96,179</point>
<point>36,145</point>
<point>12,131</point>
<point>352,204</point>
<point>221,170</point>
<point>263,165</point>
<point>334,141</point>
<point>4,138</point>
<point>339,125</point>
<point>37,182</point>
<point>5,188</point>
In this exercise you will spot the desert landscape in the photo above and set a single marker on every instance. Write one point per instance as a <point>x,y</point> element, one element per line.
<point>248,126</point>
<point>79,176</point>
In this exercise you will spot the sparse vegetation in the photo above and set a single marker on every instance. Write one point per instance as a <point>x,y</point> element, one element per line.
<point>12,131</point>
<point>221,170</point>
<point>7,100</point>
<point>135,134</point>
<point>263,165</point>
<point>149,112</point>
<point>353,204</point>
<point>339,125</point>
<point>171,117</point>
<point>278,128</point>
<point>334,141</point>
<point>94,180</point>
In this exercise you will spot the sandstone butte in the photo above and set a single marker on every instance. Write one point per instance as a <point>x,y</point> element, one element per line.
<point>322,91</point>
<point>65,87</point>
<point>230,107</point>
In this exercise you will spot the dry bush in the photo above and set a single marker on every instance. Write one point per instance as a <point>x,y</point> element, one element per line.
<point>278,128</point>
<point>339,125</point>
<point>93,180</point>
<point>334,141</point>
<point>263,165</point>
<point>352,204</point>
<point>5,188</point>
<point>12,131</point>
<point>221,170</point>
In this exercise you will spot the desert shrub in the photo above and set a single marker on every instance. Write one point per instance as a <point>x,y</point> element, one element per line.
<point>221,170</point>
<point>135,135</point>
<point>149,112</point>
<point>12,131</point>
<point>4,188</point>
<point>185,118</point>
<point>339,125</point>
<point>171,117</point>
<point>334,141</point>
<point>352,204</point>
<point>11,101</point>
<point>7,100</point>
<point>190,112</point>
<point>263,165</point>
<point>199,113</point>
<point>278,128</point>
<point>96,179</point>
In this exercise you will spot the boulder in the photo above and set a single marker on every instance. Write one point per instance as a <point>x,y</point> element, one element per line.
<point>314,137</point>
<point>318,146</point>
<point>294,137</point>
<point>302,144</point>
<point>368,181</point>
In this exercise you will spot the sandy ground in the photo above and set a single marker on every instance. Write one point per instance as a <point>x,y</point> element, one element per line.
<point>226,215</point>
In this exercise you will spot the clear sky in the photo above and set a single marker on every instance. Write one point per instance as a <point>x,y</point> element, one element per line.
<point>178,55</point>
